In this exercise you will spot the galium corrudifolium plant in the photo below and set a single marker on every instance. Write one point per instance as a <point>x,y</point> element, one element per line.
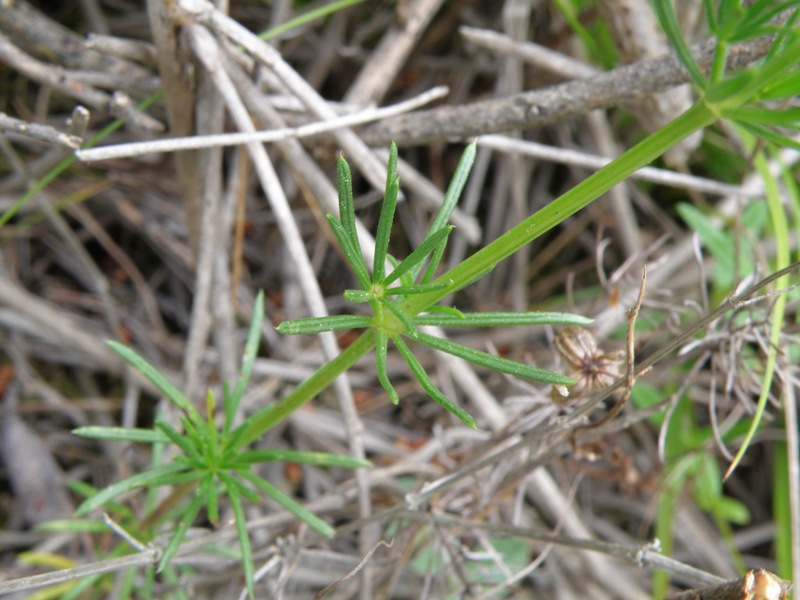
<point>388,293</point>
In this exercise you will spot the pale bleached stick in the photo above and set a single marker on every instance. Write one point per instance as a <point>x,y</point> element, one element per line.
<point>359,153</point>
<point>273,135</point>
<point>591,161</point>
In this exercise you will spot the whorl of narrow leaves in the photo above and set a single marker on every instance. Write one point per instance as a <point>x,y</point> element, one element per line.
<point>388,293</point>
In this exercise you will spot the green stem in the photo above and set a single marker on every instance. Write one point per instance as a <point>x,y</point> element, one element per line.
<point>262,422</point>
<point>591,188</point>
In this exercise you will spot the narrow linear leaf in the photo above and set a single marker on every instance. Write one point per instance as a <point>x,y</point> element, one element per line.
<point>445,211</point>
<point>73,526</point>
<point>410,290</point>
<point>247,493</point>
<point>779,223</point>
<point>419,372</point>
<point>496,363</point>
<point>122,434</point>
<point>156,378</point>
<point>248,360</point>
<point>358,296</point>
<point>444,310</point>
<point>386,218</point>
<point>180,441</point>
<point>241,531</point>
<point>347,209</point>
<point>127,484</point>
<point>312,325</point>
<point>787,117</point>
<point>188,517</point>
<point>381,350</point>
<point>352,252</point>
<point>419,254</point>
<point>436,258</point>
<point>212,503</point>
<point>669,22</point>
<point>786,87</point>
<point>322,459</point>
<point>290,504</point>
<point>501,319</point>
<point>307,17</point>
<point>770,135</point>
<point>455,188</point>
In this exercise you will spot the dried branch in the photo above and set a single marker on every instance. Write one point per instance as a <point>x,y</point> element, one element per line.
<point>38,132</point>
<point>554,104</point>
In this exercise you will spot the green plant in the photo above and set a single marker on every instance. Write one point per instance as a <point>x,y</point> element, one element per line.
<point>212,463</point>
<point>393,318</point>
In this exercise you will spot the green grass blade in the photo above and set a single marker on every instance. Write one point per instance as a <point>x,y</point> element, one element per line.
<point>186,521</point>
<point>122,434</point>
<point>436,258</point>
<point>322,459</point>
<point>212,502</point>
<point>155,377</point>
<point>787,117</point>
<point>126,485</point>
<point>241,531</point>
<point>308,17</point>
<point>290,504</point>
<point>347,209</point>
<point>419,372</point>
<point>781,231</point>
<point>248,360</point>
<point>496,363</point>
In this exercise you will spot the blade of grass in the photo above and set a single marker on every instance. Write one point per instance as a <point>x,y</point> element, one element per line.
<point>122,434</point>
<point>125,485</point>
<point>248,360</point>
<point>781,233</point>
<point>239,518</point>
<point>290,504</point>
<point>155,377</point>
